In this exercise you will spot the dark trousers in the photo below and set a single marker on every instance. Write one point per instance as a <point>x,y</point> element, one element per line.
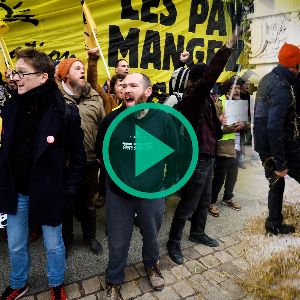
<point>120,213</point>
<point>84,206</point>
<point>195,198</point>
<point>226,170</point>
<point>276,190</point>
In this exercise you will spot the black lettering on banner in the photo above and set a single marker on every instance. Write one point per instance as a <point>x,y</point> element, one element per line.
<point>129,44</point>
<point>34,44</point>
<point>212,45</point>
<point>230,9</point>
<point>12,53</point>
<point>216,20</point>
<point>196,18</point>
<point>192,44</point>
<point>151,38</point>
<point>146,14</point>
<point>171,18</point>
<point>232,62</point>
<point>127,11</point>
<point>12,14</point>
<point>55,55</point>
<point>235,14</point>
<point>171,51</point>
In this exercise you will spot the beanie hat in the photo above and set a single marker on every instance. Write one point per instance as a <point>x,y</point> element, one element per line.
<point>289,55</point>
<point>64,67</point>
<point>179,79</point>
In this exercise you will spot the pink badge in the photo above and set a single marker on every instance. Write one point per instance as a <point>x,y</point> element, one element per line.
<point>50,139</point>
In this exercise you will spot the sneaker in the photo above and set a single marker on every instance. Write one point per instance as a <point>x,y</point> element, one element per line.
<point>155,277</point>
<point>279,228</point>
<point>205,240</point>
<point>111,292</point>
<point>58,293</point>
<point>232,204</point>
<point>12,294</point>
<point>175,253</point>
<point>213,210</point>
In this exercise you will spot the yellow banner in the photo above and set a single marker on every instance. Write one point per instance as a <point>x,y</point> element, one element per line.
<point>150,34</point>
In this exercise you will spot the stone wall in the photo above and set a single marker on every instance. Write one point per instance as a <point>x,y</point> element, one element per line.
<point>273,23</point>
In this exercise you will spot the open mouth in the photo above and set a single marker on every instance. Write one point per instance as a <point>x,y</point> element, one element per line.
<point>129,100</point>
<point>82,77</point>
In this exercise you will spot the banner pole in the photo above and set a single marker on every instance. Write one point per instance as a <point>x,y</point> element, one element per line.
<point>8,60</point>
<point>235,81</point>
<point>101,54</point>
<point>3,52</point>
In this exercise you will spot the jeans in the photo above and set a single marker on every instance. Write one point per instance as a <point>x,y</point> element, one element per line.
<point>120,213</point>
<point>276,190</point>
<point>195,199</point>
<point>226,170</point>
<point>18,246</point>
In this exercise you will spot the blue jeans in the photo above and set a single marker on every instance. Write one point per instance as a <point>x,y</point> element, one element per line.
<point>18,246</point>
<point>120,212</point>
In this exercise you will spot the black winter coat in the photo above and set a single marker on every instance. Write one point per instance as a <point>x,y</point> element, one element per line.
<point>52,184</point>
<point>276,123</point>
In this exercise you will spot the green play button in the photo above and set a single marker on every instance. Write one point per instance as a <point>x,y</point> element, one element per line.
<point>151,156</point>
<point>161,150</point>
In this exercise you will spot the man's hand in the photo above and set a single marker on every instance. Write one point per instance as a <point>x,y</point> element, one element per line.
<point>184,56</point>
<point>94,51</point>
<point>282,173</point>
<point>238,126</point>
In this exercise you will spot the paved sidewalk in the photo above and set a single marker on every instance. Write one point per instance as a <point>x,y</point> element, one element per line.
<point>208,273</point>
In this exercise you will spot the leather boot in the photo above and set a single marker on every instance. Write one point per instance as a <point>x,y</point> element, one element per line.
<point>88,224</point>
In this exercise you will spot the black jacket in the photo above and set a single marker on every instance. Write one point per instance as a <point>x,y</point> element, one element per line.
<point>276,123</point>
<point>53,182</point>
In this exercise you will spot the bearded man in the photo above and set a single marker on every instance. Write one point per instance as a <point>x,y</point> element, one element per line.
<point>122,206</point>
<point>76,90</point>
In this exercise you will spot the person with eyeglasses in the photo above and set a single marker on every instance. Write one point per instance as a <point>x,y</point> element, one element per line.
<point>42,160</point>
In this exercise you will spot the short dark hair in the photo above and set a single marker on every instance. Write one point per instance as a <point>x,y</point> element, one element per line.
<point>117,63</point>
<point>113,81</point>
<point>227,84</point>
<point>146,81</point>
<point>38,60</point>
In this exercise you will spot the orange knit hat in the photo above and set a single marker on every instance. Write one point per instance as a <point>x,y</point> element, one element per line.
<point>64,67</point>
<point>289,55</point>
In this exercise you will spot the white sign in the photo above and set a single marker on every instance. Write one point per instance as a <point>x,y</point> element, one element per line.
<point>3,220</point>
<point>236,111</point>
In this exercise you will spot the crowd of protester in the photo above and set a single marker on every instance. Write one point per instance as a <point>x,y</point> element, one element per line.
<point>54,120</point>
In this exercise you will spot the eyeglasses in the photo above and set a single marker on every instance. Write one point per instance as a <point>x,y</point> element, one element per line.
<point>20,74</point>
